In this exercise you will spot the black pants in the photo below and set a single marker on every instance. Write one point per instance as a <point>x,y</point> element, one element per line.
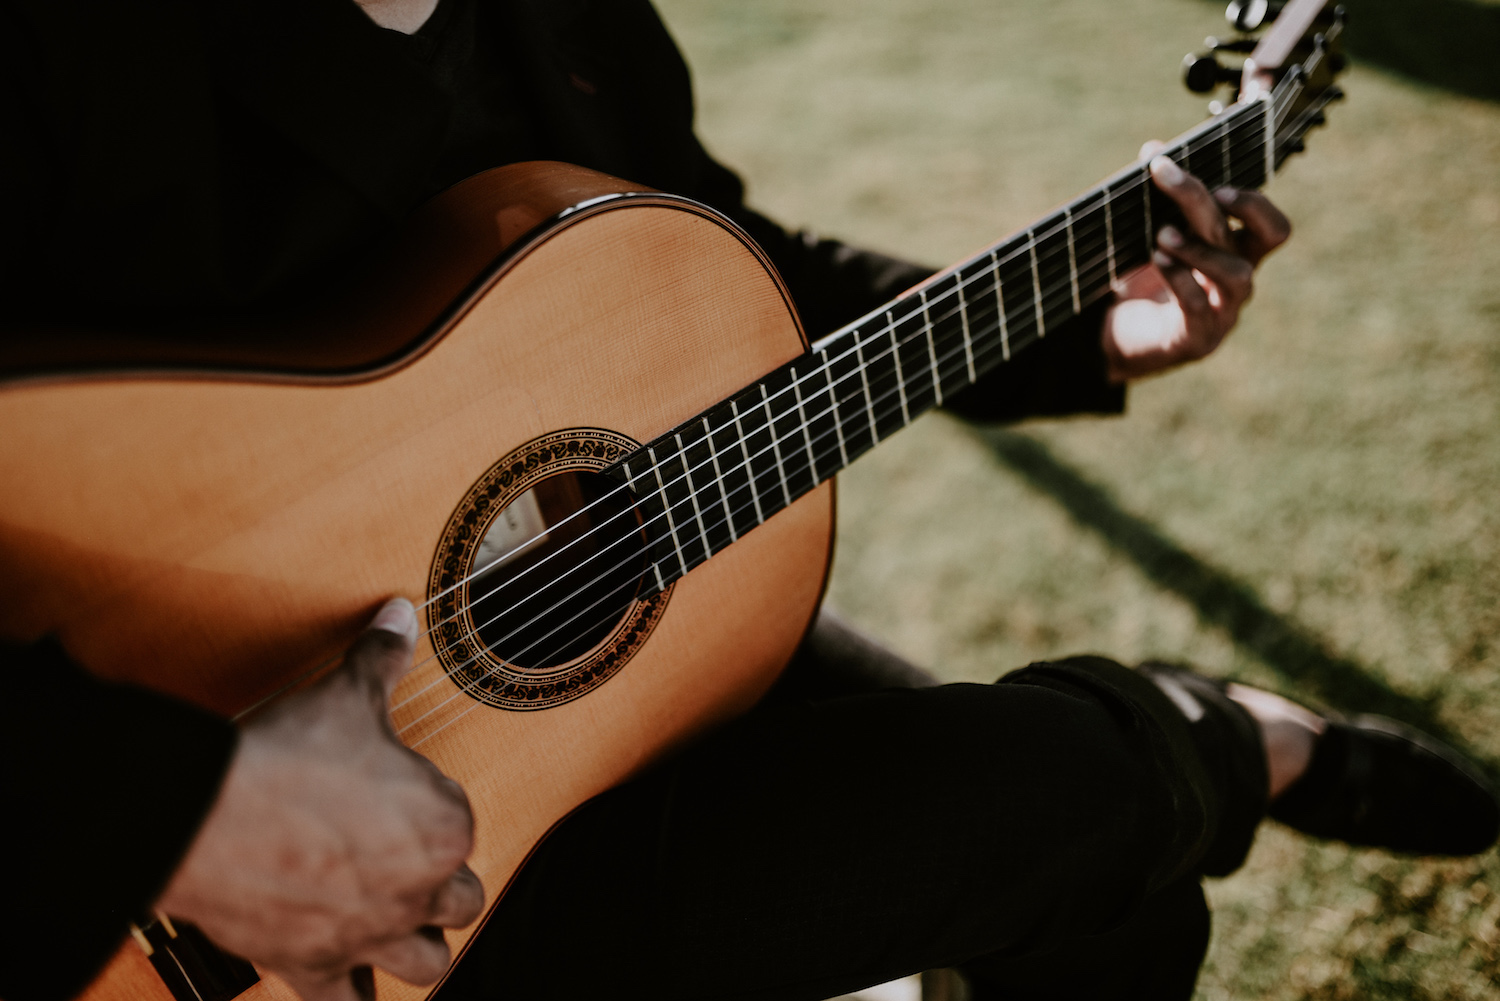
<point>1046,834</point>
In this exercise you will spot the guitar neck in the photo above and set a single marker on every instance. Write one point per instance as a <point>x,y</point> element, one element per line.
<point>707,482</point>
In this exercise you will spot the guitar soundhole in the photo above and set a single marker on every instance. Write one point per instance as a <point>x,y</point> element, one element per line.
<point>536,582</point>
<point>556,571</point>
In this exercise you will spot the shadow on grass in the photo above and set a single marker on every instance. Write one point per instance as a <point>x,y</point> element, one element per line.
<point>1220,599</point>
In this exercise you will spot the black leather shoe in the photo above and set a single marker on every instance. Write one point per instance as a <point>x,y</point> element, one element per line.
<point>1374,781</point>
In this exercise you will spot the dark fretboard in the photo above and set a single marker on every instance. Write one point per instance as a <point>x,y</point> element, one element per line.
<point>716,477</point>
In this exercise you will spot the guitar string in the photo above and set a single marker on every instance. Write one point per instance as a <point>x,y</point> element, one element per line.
<point>1217,135</point>
<point>1084,226</point>
<point>1209,137</point>
<point>459,716</point>
<point>1221,132</point>
<point>827,453</point>
<point>1090,219</point>
<point>979,318</point>
<point>744,506</point>
<point>611,614</point>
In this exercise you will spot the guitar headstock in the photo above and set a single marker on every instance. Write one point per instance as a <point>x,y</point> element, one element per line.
<point>1293,64</point>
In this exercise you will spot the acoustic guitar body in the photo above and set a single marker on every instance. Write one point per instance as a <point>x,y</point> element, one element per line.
<point>220,528</point>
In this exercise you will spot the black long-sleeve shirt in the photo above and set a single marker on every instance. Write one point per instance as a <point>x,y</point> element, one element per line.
<point>174,161</point>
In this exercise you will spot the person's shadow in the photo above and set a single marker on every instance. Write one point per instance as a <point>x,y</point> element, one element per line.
<point>1220,599</point>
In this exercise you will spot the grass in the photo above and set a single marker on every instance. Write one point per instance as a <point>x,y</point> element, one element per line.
<point>1314,509</point>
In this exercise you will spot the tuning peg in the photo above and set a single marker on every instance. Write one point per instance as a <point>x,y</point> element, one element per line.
<point>1202,73</point>
<point>1247,15</point>
<point>1241,45</point>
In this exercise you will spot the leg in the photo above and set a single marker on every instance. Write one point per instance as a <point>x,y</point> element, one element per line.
<point>777,860</point>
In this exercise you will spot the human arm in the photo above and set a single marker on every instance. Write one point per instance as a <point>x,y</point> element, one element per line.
<point>328,846</point>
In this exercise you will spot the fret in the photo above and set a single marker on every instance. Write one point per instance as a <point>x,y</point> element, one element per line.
<point>951,349</point>
<point>1130,221</point>
<point>786,428</point>
<point>695,458</point>
<point>713,453</point>
<point>765,400</point>
<point>751,458</point>
<point>1013,274</point>
<point>1094,251</point>
<point>728,447</point>
<point>1109,234</point>
<point>864,380</point>
<point>895,353</point>
<point>1147,189</point>
<point>854,418</point>
<point>833,409</point>
<point>1189,159</point>
<point>682,498</point>
<point>882,372</point>
<point>1226,156</point>
<point>959,281</point>
<point>1053,273</point>
<point>909,342</point>
<point>1004,321</point>
<point>667,509</point>
<point>1036,284</point>
<point>807,436</point>
<point>644,504</point>
<point>1269,139</point>
<point>1072,258</point>
<point>937,385</point>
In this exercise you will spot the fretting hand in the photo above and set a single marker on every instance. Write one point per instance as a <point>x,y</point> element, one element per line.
<point>332,848</point>
<point>1183,304</point>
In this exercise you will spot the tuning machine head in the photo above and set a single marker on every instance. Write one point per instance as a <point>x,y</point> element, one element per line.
<point>1202,71</point>
<point>1248,15</point>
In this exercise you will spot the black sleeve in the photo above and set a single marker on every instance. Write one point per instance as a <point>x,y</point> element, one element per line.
<point>104,787</point>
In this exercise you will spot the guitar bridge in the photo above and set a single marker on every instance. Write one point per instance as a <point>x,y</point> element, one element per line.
<point>192,967</point>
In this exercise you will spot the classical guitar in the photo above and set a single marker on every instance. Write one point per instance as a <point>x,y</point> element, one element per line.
<point>576,420</point>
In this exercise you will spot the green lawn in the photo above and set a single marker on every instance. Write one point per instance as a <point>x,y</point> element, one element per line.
<point>1314,509</point>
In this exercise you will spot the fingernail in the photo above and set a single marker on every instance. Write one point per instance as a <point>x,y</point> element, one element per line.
<point>1161,260</point>
<point>1226,195</point>
<point>397,616</point>
<point>1165,171</point>
<point>1170,237</point>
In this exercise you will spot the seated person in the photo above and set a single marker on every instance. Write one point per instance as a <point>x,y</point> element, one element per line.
<point>232,160</point>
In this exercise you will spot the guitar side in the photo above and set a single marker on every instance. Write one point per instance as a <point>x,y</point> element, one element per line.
<point>218,535</point>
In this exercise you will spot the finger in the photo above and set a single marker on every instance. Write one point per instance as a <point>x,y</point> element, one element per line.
<point>1230,273</point>
<point>1200,320</point>
<point>1150,148</point>
<point>1266,227</point>
<point>1202,212</point>
<point>321,985</point>
<point>459,901</point>
<point>382,654</point>
<point>419,958</point>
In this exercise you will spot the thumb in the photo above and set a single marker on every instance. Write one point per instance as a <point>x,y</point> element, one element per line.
<point>1150,148</point>
<point>382,654</point>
